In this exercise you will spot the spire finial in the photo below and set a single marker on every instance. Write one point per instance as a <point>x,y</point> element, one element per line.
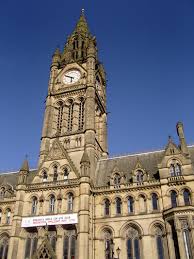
<point>83,11</point>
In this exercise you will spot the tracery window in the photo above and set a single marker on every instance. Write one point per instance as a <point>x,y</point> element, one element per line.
<point>133,244</point>
<point>55,173</point>
<point>70,117</point>
<point>118,205</point>
<point>154,201</point>
<point>44,176</point>
<point>139,176</point>
<point>173,196</point>
<point>106,207</point>
<point>69,247</point>
<point>4,243</point>
<point>31,245</point>
<point>187,238</point>
<point>108,243</point>
<point>60,117</point>
<point>159,242</point>
<point>175,168</point>
<point>81,114</point>
<point>34,205</point>
<point>52,203</point>
<point>8,216</point>
<point>117,179</point>
<point>187,197</point>
<point>70,202</point>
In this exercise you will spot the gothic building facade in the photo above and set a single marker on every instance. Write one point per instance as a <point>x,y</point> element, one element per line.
<point>81,204</point>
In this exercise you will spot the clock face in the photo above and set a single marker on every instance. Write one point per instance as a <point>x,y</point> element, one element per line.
<point>71,77</point>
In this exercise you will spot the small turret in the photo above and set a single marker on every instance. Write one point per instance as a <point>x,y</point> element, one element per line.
<point>180,132</point>
<point>56,58</point>
<point>24,170</point>
<point>85,164</point>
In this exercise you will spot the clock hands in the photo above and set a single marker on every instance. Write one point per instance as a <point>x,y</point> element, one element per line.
<point>71,77</point>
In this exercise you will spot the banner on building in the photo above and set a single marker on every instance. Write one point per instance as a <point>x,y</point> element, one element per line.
<point>50,220</point>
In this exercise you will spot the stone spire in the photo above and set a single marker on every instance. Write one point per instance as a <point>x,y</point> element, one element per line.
<point>82,26</point>
<point>24,170</point>
<point>25,166</point>
<point>85,164</point>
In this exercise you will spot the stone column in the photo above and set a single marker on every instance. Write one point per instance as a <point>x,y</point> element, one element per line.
<point>147,247</point>
<point>59,245</point>
<point>104,135</point>
<point>41,232</point>
<point>65,118</point>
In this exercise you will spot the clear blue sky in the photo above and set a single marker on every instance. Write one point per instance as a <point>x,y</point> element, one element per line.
<point>147,48</point>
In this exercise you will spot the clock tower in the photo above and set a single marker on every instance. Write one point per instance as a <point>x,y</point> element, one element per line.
<point>75,113</point>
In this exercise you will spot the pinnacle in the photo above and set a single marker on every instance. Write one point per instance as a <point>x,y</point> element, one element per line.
<point>25,166</point>
<point>82,25</point>
<point>85,158</point>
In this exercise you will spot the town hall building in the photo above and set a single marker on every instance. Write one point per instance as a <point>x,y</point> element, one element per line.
<point>81,204</point>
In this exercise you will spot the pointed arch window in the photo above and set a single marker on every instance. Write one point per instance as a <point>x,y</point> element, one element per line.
<point>31,245</point>
<point>173,196</point>
<point>2,193</point>
<point>139,176</point>
<point>73,246</point>
<point>133,244</point>
<point>187,240</point>
<point>130,204</point>
<point>108,242</point>
<point>70,117</point>
<point>44,176</point>
<point>52,203</point>
<point>187,197</point>
<point>106,207</point>
<point>53,239</point>
<point>8,216</point>
<point>65,247</point>
<point>4,243</point>
<point>175,168</point>
<point>55,173</point>
<point>60,117</point>
<point>117,179</point>
<point>118,205</point>
<point>81,114</point>
<point>154,201</point>
<point>70,202</point>
<point>66,174</point>
<point>34,205</point>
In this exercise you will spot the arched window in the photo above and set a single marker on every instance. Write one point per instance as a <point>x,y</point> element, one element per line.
<point>34,205</point>
<point>66,174</point>
<point>142,204</point>
<point>0,215</point>
<point>60,117</point>
<point>55,173</point>
<point>133,244</point>
<point>139,176</point>
<point>173,196</point>
<point>130,204</point>
<point>44,176</point>
<point>8,216</point>
<point>108,242</point>
<point>81,114</point>
<point>159,242</point>
<point>118,205</point>
<point>53,238</point>
<point>70,117</point>
<point>70,202</point>
<point>66,248</point>
<point>154,201</point>
<point>31,245</point>
<point>106,207</point>
<point>117,179</point>
<point>73,246</point>
<point>52,203</point>
<point>4,242</point>
<point>187,197</point>
<point>175,168</point>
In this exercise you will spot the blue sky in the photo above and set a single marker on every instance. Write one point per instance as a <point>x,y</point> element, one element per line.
<point>145,46</point>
